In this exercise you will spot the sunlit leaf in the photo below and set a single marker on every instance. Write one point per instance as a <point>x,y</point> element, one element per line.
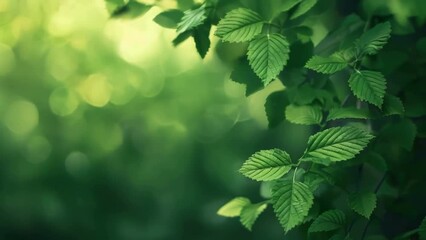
<point>305,115</point>
<point>169,18</point>
<point>267,165</point>
<point>233,208</point>
<point>250,213</point>
<point>374,39</point>
<point>267,55</point>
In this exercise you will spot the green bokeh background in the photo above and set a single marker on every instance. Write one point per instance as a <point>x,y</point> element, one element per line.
<point>108,132</point>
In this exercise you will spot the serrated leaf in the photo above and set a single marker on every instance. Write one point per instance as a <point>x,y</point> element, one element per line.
<point>169,19</point>
<point>131,9</point>
<point>338,143</point>
<point>267,165</point>
<point>201,39</point>
<point>288,4</point>
<point>374,39</point>
<point>303,8</point>
<point>267,55</point>
<point>422,230</point>
<point>347,112</point>
<point>233,208</point>
<point>192,19</point>
<point>239,25</point>
<point>328,221</point>
<point>392,106</point>
<point>291,202</point>
<point>243,74</point>
<point>368,86</point>
<point>363,203</point>
<point>327,65</point>
<point>305,115</point>
<point>250,213</point>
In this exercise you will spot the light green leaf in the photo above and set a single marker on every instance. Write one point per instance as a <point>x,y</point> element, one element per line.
<point>392,106</point>
<point>347,112</point>
<point>338,143</point>
<point>374,39</point>
<point>291,202</point>
<point>288,4</point>
<point>267,55</point>
<point>233,208</point>
<point>422,230</point>
<point>239,25</point>
<point>306,115</point>
<point>303,7</point>
<point>328,221</point>
<point>192,19</point>
<point>327,65</point>
<point>169,19</point>
<point>368,86</point>
<point>267,165</point>
<point>363,203</point>
<point>250,213</point>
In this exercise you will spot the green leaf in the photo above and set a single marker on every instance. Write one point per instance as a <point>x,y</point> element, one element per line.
<point>374,39</point>
<point>181,38</point>
<point>347,112</point>
<point>306,115</point>
<point>402,132</point>
<point>288,4</point>
<point>322,161</point>
<point>328,221</point>
<point>422,230</point>
<point>368,86</point>
<point>126,9</point>
<point>392,106</point>
<point>267,165</point>
<point>275,105</point>
<point>363,203</point>
<point>303,8</point>
<point>250,213</point>
<point>338,143</point>
<point>291,202</point>
<point>239,25</point>
<point>192,19</point>
<point>267,55</point>
<point>233,208</point>
<point>201,39</point>
<point>169,19</point>
<point>327,65</point>
<point>243,74</point>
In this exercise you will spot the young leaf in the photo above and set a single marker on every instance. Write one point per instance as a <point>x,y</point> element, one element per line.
<point>368,86</point>
<point>338,143</point>
<point>374,39</point>
<point>363,203</point>
<point>291,202</point>
<point>239,25</point>
<point>267,165</point>
<point>169,19</point>
<point>328,221</point>
<point>392,106</point>
<point>233,208</point>
<point>422,230</point>
<point>250,213</point>
<point>347,112</point>
<point>327,65</point>
<point>131,9</point>
<point>303,7</point>
<point>306,115</point>
<point>267,55</point>
<point>192,19</point>
<point>201,39</point>
<point>288,4</point>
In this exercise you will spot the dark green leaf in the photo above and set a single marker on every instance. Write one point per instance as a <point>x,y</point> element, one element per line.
<point>169,19</point>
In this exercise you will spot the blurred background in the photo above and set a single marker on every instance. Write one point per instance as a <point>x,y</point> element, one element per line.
<point>109,132</point>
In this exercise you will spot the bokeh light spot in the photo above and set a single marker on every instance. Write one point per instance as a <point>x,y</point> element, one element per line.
<point>95,90</point>
<point>77,163</point>
<point>21,117</point>
<point>63,102</point>
<point>38,149</point>
<point>7,59</point>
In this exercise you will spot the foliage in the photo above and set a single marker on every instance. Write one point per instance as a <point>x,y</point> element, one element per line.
<point>358,91</point>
